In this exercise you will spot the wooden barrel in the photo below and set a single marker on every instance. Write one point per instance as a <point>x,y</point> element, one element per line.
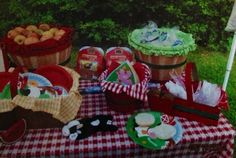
<point>34,61</point>
<point>161,66</point>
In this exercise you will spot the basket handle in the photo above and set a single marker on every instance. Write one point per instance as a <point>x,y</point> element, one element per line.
<point>190,76</point>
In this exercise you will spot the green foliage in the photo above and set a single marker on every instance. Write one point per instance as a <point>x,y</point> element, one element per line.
<point>103,32</point>
<point>109,22</point>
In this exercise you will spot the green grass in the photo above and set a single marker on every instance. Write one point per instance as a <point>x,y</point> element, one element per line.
<point>73,58</point>
<point>211,67</point>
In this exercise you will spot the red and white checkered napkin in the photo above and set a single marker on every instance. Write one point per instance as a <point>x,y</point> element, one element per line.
<point>198,140</point>
<point>137,91</point>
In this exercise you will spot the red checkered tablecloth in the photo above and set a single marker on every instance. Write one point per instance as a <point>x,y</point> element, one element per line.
<point>198,140</point>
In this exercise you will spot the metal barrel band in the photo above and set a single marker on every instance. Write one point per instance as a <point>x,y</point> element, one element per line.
<point>162,66</point>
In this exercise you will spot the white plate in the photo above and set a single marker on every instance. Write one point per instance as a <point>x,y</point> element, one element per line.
<point>36,80</point>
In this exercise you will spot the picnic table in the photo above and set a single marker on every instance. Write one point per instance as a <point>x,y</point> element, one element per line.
<point>198,140</point>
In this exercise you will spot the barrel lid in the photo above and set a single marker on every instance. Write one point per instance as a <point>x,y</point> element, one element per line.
<point>151,40</point>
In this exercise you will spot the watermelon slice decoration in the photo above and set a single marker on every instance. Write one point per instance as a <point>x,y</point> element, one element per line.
<point>14,133</point>
<point>124,74</point>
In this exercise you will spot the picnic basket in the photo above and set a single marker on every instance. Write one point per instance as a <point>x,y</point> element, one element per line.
<point>39,112</point>
<point>162,100</point>
<point>127,98</point>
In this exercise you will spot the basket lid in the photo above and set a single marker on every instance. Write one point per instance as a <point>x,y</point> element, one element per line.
<point>151,40</point>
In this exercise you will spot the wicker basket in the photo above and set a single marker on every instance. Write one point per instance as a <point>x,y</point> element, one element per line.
<point>54,112</point>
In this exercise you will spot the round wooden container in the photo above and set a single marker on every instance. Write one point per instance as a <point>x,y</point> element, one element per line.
<point>47,52</point>
<point>161,66</point>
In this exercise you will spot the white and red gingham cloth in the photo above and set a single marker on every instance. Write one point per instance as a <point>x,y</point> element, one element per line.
<point>137,91</point>
<point>198,140</point>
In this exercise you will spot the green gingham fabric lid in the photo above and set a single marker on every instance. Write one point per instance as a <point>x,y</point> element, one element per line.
<point>151,40</point>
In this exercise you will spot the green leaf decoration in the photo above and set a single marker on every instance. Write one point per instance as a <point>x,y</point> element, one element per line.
<point>6,92</point>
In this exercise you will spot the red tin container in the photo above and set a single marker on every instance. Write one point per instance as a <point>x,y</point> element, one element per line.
<point>90,62</point>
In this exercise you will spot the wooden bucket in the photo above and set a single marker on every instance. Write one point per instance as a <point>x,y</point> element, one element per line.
<point>161,66</point>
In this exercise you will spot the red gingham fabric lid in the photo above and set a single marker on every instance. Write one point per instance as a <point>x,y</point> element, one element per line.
<point>137,91</point>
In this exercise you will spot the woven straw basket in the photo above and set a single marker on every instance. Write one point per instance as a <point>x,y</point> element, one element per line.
<point>55,111</point>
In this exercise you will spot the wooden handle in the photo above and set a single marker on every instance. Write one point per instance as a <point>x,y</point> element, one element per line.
<point>190,76</point>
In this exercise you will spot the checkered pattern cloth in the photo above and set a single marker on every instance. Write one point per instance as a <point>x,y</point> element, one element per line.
<point>137,91</point>
<point>198,140</point>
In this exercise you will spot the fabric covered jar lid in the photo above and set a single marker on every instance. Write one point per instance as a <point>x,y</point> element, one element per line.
<point>151,40</point>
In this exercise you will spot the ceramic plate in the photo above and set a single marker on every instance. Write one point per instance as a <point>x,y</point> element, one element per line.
<point>145,139</point>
